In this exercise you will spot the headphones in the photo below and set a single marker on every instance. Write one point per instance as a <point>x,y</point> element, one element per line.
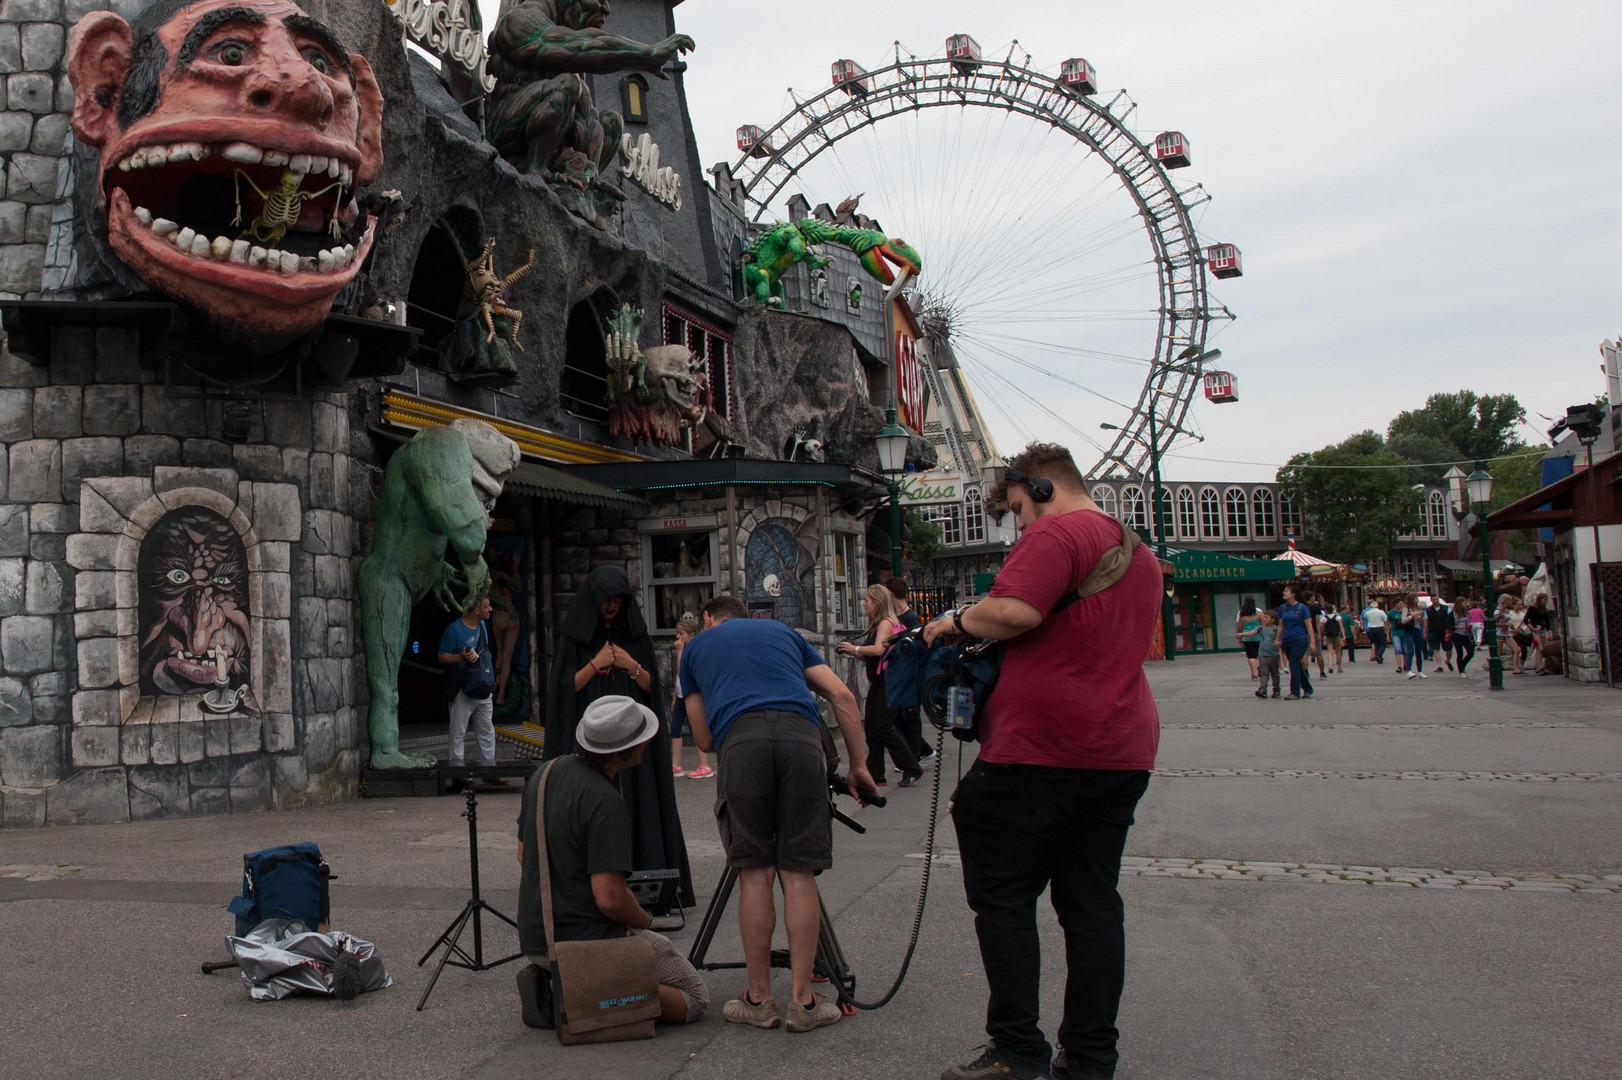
<point>1040,489</point>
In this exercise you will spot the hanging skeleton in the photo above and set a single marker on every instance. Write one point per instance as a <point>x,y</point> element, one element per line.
<point>282,206</point>
<point>485,287</point>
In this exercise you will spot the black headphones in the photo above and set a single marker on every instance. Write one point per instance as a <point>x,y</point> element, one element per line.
<point>1040,489</point>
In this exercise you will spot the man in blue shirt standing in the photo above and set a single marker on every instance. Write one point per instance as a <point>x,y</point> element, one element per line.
<point>463,645</point>
<point>1297,636</point>
<point>747,687</point>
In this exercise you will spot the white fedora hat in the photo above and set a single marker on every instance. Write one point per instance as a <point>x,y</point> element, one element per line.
<point>614,723</point>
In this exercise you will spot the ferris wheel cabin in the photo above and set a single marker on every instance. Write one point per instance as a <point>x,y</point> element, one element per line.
<point>964,52</point>
<point>1172,149</point>
<point>752,141</point>
<point>1223,259</point>
<point>1078,77</point>
<point>850,77</point>
<point>1221,387</point>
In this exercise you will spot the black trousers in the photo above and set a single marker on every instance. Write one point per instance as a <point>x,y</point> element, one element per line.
<point>879,725</point>
<point>910,722</point>
<point>1025,828</point>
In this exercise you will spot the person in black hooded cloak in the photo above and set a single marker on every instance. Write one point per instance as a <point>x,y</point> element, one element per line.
<point>605,649</point>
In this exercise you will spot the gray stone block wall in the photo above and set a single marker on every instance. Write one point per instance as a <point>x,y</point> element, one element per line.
<point>92,454</point>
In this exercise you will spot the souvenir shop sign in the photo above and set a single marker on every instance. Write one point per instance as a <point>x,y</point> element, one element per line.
<point>642,169</point>
<point>1211,566</point>
<point>928,489</point>
<point>446,29</point>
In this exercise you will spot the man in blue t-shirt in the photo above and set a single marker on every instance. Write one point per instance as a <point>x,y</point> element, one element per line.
<point>747,687</point>
<point>461,646</point>
<point>1297,636</point>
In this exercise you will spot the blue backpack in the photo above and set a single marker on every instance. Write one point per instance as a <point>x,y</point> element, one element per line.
<point>917,676</point>
<point>288,882</point>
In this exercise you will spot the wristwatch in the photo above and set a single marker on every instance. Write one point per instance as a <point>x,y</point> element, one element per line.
<point>957,620</point>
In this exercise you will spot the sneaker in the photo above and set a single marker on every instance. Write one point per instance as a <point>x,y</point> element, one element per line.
<point>701,772</point>
<point>909,779</point>
<point>1275,695</point>
<point>1412,674</point>
<point>926,757</point>
<point>677,770</point>
<point>1422,675</point>
<point>811,1017</point>
<point>991,1065</point>
<point>1065,1069</point>
<point>740,1010</point>
<point>1261,693</point>
<point>535,997</point>
<point>1292,697</point>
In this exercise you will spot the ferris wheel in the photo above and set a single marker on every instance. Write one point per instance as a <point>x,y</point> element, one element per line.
<point>1030,264</point>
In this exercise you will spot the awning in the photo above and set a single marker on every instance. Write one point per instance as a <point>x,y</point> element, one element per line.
<point>1213,566</point>
<point>1460,568</point>
<point>545,483</point>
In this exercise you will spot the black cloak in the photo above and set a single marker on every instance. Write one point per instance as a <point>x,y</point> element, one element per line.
<point>648,789</point>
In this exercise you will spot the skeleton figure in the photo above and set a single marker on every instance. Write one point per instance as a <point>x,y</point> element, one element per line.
<point>282,208</point>
<point>486,287</point>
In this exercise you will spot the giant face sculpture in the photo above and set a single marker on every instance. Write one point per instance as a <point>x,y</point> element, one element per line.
<point>194,605</point>
<point>233,135</point>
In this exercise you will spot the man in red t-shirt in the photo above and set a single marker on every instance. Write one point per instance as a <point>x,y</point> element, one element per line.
<point>1068,741</point>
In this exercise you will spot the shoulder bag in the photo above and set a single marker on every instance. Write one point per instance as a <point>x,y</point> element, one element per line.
<point>602,991</point>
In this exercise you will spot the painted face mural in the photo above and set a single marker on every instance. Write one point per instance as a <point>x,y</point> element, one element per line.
<point>194,605</point>
<point>233,135</point>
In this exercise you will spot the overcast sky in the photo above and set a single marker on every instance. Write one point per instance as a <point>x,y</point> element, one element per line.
<point>1424,194</point>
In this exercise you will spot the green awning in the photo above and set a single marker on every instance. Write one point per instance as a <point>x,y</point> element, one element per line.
<point>1215,567</point>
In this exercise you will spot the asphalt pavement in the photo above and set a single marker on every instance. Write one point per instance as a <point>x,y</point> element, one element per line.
<point>1398,878</point>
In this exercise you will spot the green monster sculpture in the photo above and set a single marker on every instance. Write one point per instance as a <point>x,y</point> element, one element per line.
<point>781,246</point>
<point>542,118</point>
<point>437,492</point>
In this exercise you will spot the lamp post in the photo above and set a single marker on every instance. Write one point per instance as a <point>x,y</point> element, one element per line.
<point>1159,520</point>
<point>1478,486</point>
<point>892,445</point>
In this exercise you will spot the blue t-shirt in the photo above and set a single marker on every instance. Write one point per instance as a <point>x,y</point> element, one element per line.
<point>459,635</point>
<point>1292,622</point>
<point>742,665</point>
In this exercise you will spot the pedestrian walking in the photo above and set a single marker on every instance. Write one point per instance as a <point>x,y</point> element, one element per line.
<point>909,721</point>
<point>1350,626</point>
<point>1403,621</point>
<point>1333,631</point>
<point>465,648</point>
<point>1374,622</point>
<point>686,627</point>
<point>1317,612</point>
<point>1439,634</point>
<point>1246,627</point>
<point>1520,636</point>
<point>1297,637</point>
<point>878,719</point>
<point>1538,620</point>
<point>1267,654</point>
<point>1464,644</point>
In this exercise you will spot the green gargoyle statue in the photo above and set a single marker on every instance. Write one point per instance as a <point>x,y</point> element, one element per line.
<point>781,246</point>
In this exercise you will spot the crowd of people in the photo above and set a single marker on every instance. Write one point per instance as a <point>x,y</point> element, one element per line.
<point>1419,630</point>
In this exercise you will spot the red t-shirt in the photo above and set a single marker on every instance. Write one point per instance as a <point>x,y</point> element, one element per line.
<point>1073,693</point>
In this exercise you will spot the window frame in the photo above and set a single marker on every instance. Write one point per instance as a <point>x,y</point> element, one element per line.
<point>1236,528</point>
<point>1210,519</point>
<point>1188,516</point>
<point>974,516</point>
<point>1134,508</point>
<point>1104,496</point>
<point>847,604</point>
<point>630,115</point>
<point>653,582</point>
<point>1263,520</point>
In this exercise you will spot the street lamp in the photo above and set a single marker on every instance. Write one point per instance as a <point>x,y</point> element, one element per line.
<point>1478,486</point>
<point>1455,488</point>
<point>1159,519</point>
<point>892,442</point>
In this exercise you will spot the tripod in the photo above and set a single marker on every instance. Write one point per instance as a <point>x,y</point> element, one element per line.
<point>471,912</point>
<point>830,959</point>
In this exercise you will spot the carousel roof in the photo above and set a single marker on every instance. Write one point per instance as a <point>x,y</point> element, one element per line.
<point>1302,559</point>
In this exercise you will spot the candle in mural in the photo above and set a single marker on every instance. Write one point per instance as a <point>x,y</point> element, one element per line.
<point>195,632</point>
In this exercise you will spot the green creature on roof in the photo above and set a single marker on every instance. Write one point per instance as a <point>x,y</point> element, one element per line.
<point>781,246</point>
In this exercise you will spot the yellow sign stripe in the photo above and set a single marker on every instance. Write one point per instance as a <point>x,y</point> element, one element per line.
<point>408,410</point>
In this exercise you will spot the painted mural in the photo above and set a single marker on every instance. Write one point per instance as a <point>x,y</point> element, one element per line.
<point>780,566</point>
<point>194,618</point>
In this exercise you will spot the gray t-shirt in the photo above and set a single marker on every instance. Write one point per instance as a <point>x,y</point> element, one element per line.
<point>588,831</point>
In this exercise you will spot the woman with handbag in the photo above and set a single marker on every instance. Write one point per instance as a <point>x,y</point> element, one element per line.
<point>878,719</point>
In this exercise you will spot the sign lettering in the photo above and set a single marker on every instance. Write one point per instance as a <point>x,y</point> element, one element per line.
<point>642,169</point>
<point>445,28</point>
<point>924,489</point>
<point>909,380</point>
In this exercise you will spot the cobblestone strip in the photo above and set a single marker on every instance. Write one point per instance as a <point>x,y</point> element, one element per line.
<point>24,872</point>
<point>1337,874</point>
<point>1478,777</point>
<point>1369,727</point>
<point>1333,874</point>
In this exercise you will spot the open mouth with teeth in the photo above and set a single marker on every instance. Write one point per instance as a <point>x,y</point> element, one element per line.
<point>230,225</point>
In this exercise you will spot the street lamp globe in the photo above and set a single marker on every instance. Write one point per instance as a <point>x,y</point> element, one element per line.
<point>1479,485</point>
<point>892,444</point>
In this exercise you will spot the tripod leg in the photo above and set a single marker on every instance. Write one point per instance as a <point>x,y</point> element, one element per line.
<point>449,937</point>
<point>712,918</point>
<point>831,961</point>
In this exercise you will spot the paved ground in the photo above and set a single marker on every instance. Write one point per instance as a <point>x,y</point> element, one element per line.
<point>1396,879</point>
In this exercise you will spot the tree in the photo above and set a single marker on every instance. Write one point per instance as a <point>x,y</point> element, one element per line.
<point>1355,497</point>
<point>1477,426</point>
<point>923,539</point>
<point>1424,449</point>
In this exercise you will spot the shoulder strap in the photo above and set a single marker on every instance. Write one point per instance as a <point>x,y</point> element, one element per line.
<point>545,862</point>
<point>1112,565</point>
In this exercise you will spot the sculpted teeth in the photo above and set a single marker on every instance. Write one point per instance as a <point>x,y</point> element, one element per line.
<point>243,253</point>
<point>239,153</point>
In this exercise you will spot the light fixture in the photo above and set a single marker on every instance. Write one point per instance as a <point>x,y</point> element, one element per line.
<point>892,441</point>
<point>1479,484</point>
<point>1455,487</point>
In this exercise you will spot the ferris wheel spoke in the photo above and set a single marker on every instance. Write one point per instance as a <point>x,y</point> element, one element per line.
<point>1039,369</point>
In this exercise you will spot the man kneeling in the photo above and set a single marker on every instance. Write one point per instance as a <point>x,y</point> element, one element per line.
<point>588,837</point>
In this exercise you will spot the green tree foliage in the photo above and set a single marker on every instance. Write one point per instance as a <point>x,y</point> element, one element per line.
<point>1424,449</point>
<point>1351,513</point>
<point>923,539</point>
<point>1476,426</point>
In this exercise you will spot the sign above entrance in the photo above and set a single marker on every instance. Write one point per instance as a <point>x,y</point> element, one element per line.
<point>1195,566</point>
<point>446,30</point>
<point>929,489</point>
<point>642,169</point>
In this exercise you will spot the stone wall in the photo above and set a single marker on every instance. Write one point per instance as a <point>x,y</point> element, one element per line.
<point>97,452</point>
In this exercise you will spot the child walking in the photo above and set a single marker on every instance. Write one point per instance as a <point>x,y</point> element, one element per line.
<point>1267,654</point>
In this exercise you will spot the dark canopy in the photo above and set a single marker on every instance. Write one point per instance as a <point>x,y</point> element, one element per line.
<point>648,789</point>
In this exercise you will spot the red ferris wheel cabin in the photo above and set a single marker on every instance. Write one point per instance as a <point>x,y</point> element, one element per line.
<point>1223,259</point>
<point>963,51</point>
<point>850,76</point>
<point>1172,149</point>
<point>752,141</point>
<point>1078,77</point>
<point>1221,387</point>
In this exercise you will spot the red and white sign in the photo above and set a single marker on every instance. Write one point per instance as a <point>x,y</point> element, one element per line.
<point>912,396</point>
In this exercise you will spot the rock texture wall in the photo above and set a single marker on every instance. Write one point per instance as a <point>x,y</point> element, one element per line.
<point>97,453</point>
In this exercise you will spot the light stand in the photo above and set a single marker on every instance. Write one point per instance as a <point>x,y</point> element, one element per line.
<point>1479,488</point>
<point>892,442</point>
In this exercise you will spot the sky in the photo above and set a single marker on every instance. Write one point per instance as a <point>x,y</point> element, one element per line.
<point>1423,194</point>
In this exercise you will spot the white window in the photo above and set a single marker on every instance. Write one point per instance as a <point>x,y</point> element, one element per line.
<point>847,605</point>
<point>1262,503</point>
<point>1438,509</point>
<point>1134,509</point>
<point>1289,514</point>
<point>1105,498</point>
<point>1236,514</point>
<point>1188,526</point>
<point>682,575</point>
<point>974,516</point>
<point>1210,514</point>
<point>1168,517</point>
<point>949,516</point>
